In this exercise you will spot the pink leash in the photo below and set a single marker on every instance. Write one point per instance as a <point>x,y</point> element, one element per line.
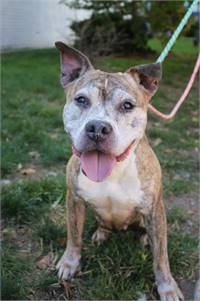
<point>183,97</point>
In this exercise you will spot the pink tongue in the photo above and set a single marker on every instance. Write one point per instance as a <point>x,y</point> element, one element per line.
<point>96,165</point>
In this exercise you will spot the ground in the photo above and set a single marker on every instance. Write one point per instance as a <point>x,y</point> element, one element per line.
<point>34,153</point>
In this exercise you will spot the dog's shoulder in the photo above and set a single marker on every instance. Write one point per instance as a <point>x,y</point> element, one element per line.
<point>148,166</point>
<point>72,171</point>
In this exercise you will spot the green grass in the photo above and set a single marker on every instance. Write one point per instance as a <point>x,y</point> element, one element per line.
<point>177,214</point>
<point>113,270</point>
<point>32,103</point>
<point>183,46</point>
<point>50,232</point>
<point>27,201</point>
<point>32,109</point>
<point>14,271</point>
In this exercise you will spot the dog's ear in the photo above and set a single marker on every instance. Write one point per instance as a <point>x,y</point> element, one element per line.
<point>73,63</point>
<point>148,76</point>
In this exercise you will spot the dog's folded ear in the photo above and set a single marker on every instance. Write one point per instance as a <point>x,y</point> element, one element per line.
<point>148,76</point>
<point>73,63</point>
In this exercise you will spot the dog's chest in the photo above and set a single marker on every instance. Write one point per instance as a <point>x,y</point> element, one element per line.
<point>114,200</point>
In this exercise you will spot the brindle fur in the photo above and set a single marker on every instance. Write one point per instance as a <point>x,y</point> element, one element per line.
<point>147,205</point>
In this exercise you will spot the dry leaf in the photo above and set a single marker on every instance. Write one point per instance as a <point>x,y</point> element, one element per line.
<point>19,166</point>
<point>67,289</point>
<point>34,154</point>
<point>157,141</point>
<point>5,182</point>
<point>62,241</point>
<point>27,171</point>
<point>10,232</point>
<point>46,261</point>
<point>54,135</point>
<point>52,174</point>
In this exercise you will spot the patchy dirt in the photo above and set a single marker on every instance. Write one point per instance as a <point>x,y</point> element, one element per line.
<point>20,237</point>
<point>45,261</point>
<point>187,288</point>
<point>33,172</point>
<point>190,205</point>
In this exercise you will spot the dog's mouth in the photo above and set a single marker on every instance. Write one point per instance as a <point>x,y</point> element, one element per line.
<point>96,165</point>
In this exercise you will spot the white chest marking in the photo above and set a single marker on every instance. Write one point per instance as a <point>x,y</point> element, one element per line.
<point>118,195</point>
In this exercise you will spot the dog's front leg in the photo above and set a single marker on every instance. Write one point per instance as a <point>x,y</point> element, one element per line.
<point>157,231</point>
<point>69,263</point>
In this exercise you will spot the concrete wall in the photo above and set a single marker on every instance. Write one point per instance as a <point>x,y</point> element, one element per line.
<point>36,23</point>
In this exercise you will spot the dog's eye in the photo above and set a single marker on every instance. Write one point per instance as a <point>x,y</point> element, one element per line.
<point>82,100</point>
<point>127,106</point>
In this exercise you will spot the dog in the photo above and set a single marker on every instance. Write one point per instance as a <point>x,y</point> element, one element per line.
<point>113,169</point>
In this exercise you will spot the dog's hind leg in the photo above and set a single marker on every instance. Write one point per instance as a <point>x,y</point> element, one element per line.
<point>100,235</point>
<point>144,239</point>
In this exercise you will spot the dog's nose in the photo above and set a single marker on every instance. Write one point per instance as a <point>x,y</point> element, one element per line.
<point>98,130</point>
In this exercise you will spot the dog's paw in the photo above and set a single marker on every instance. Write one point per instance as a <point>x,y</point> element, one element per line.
<point>100,235</point>
<point>67,267</point>
<point>169,291</point>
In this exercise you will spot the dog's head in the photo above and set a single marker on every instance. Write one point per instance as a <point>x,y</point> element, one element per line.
<point>105,113</point>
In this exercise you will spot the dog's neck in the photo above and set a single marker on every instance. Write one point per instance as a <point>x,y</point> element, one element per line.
<point>133,155</point>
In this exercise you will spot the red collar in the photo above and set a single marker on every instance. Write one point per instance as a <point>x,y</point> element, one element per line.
<point>119,158</point>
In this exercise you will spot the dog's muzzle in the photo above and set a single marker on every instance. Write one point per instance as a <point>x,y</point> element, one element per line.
<point>97,166</point>
<point>96,163</point>
<point>98,131</point>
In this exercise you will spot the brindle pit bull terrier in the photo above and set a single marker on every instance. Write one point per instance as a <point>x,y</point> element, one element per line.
<point>113,168</point>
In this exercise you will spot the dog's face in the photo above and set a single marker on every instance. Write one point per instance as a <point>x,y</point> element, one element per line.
<point>105,112</point>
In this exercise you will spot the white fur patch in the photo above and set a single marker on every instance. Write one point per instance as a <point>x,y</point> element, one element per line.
<point>170,291</point>
<point>67,266</point>
<point>126,126</point>
<point>117,196</point>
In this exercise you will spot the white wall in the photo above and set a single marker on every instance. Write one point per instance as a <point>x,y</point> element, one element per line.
<point>36,23</point>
